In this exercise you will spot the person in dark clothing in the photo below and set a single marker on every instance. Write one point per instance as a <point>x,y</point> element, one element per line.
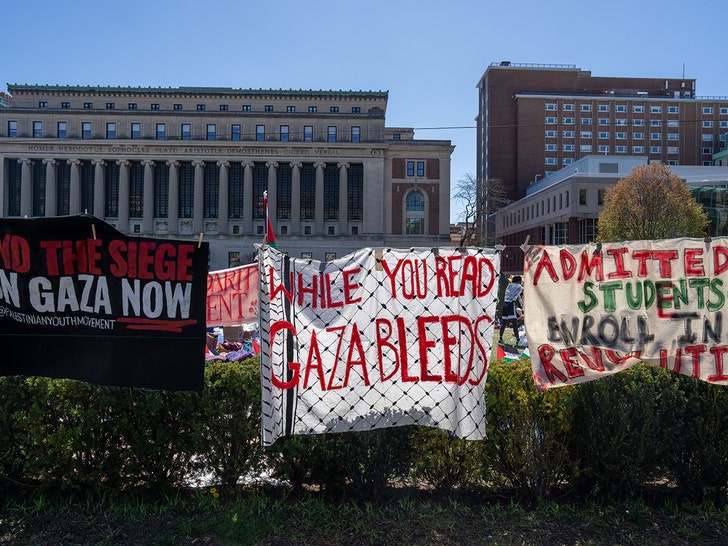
<point>512,307</point>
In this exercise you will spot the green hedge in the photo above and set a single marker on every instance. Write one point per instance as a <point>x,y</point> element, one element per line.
<point>643,429</point>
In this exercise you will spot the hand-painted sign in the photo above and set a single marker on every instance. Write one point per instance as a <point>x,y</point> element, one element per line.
<point>232,296</point>
<point>379,338</point>
<point>80,300</point>
<point>592,310</point>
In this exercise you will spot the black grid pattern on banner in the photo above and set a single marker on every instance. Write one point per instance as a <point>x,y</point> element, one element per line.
<point>379,338</point>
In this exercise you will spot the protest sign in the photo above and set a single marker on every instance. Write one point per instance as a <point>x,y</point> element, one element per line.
<point>593,310</point>
<point>232,296</point>
<point>378,338</point>
<point>80,300</point>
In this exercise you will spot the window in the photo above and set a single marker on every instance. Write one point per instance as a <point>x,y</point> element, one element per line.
<point>707,151</point>
<point>638,122</point>
<point>585,134</point>
<point>723,124</point>
<point>415,213</point>
<point>603,149</point>
<point>283,133</point>
<point>585,121</point>
<point>723,111</point>
<point>603,121</point>
<point>586,107</point>
<point>585,148</point>
<point>86,130</point>
<point>582,196</point>
<point>200,107</point>
<point>290,109</point>
<point>705,137</point>
<point>62,129</point>
<point>638,136</point>
<point>550,106</point>
<point>600,196</point>
<point>307,255</point>
<point>550,134</point>
<point>655,109</point>
<point>331,133</point>
<point>568,107</point>
<point>673,123</point>
<point>655,136</point>
<point>334,109</point>
<point>13,129</point>
<point>329,256</point>
<point>211,131</point>
<point>550,121</point>
<point>655,149</point>
<point>603,135</point>
<point>707,124</point>
<point>673,136</point>
<point>620,136</point>
<point>420,168</point>
<point>177,107</point>
<point>410,168</point>
<point>88,105</point>
<point>707,109</point>
<point>568,121</point>
<point>260,133</point>
<point>161,131</point>
<point>235,132</point>
<point>110,105</point>
<point>246,108</point>
<point>603,108</point>
<point>186,131</point>
<point>155,106</point>
<point>655,123</point>
<point>638,149</point>
<point>568,160</point>
<point>312,109</point>
<point>42,104</point>
<point>620,149</point>
<point>621,121</point>
<point>676,150</point>
<point>132,106</point>
<point>268,108</point>
<point>356,133</point>
<point>308,133</point>
<point>355,110</point>
<point>233,259</point>
<point>568,134</point>
<point>638,109</point>
<point>37,129</point>
<point>224,108</point>
<point>136,131</point>
<point>673,109</point>
<point>568,147</point>
<point>111,130</point>
<point>620,108</point>
<point>550,147</point>
<point>65,105</point>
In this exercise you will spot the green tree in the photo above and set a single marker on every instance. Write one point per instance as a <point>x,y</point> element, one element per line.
<point>650,203</point>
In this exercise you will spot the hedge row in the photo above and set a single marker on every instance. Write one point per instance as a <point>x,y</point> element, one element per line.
<point>615,437</point>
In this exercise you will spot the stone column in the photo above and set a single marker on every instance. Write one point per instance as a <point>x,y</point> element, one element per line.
<point>198,198</point>
<point>248,198</point>
<point>173,203</point>
<point>51,198</point>
<point>223,198</point>
<point>272,192</point>
<point>26,188</point>
<point>74,201</point>
<point>148,200</point>
<point>296,198</point>
<point>319,214</point>
<point>99,188</point>
<point>343,194</point>
<point>123,223</point>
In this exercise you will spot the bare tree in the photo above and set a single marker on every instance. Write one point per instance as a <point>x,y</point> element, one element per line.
<point>479,201</point>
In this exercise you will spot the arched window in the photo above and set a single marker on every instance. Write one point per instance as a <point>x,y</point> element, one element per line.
<point>414,216</point>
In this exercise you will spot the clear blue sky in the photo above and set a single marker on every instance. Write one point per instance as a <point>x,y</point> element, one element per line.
<point>428,54</point>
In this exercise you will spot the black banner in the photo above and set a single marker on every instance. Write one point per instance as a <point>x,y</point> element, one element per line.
<point>80,300</point>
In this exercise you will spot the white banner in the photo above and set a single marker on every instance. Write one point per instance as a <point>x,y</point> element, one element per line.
<point>378,338</point>
<point>593,310</point>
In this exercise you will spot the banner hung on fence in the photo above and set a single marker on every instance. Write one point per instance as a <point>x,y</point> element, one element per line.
<point>80,300</point>
<point>232,296</point>
<point>378,338</point>
<point>593,310</point>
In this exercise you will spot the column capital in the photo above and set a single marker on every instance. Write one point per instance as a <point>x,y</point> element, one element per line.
<point>172,163</point>
<point>343,165</point>
<point>50,162</point>
<point>319,165</point>
<point>98,162</point>
<point>123,162</point>
<point>270,164</point>
<point>73,162</point>
<point>24,161</point>
<point>247,164</point>
<point>296,165</point>
<point>198,163</point>
<point>147,162</point>
<point>223,163</point>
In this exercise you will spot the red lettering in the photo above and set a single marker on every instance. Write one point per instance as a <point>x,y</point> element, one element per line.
<point>293,367</point>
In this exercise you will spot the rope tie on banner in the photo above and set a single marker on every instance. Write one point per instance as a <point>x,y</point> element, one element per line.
<point>199,241</point>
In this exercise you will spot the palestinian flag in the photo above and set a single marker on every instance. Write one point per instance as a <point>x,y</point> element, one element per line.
<point>270,238</point>
<point>508,352</point>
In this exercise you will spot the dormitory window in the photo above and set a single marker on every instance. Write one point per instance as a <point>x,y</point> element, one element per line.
<point>13,129</point>
<point>42,104</point>
<point>155,106</point>
<point>331,134</point>
<point>707,109</point>
<point>111,130</point>
<point>86,130</point>
<point>186,131</point>
<point>37,129</point>
<point>110,105</point>
<point>308,133</point>
<point>260,133</point>
<point>178,107</point>
<point>356,134</point>
<point>415,213</point>
<point>283,133</point>
<point>161,131</point>
<point>62,129</point>
<point>132,106</point>
<point>235,132</point>
<point>211,131</point>
<point>136,131</point>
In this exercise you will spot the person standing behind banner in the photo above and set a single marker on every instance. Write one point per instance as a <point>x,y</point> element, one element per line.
<point>512,307</point>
